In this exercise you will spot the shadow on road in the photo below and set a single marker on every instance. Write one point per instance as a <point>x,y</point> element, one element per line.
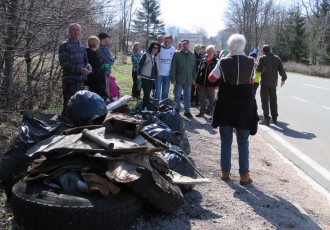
<point>279,212</point>
<point>282,127</point>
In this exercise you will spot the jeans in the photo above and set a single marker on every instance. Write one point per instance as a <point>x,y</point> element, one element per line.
<point>268,97</point>
<point>242,136</point>
<point>186,96</point>
<point>162,85</point>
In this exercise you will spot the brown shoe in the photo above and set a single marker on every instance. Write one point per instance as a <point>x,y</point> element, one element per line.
<point>224,176</point>
<point>245,179</point>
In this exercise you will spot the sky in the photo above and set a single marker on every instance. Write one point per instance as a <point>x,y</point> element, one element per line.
<point>188,14</point>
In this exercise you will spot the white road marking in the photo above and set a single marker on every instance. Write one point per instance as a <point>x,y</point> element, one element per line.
<point>318,87</point>
<point>299,99</point>
<point>325,107</point>
<point>303,175</point>
<point>302,156</point>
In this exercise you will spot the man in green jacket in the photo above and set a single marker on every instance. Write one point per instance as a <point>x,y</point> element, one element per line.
<point>183,74</point>
<point>269,65</point>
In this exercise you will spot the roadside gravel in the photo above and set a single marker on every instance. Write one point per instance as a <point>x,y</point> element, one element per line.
<point>278,198</point>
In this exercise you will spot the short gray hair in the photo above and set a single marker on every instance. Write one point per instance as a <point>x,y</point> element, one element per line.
<point>210,47</point>
<point>236,43</point>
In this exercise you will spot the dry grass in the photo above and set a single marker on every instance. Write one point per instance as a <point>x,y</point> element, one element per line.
<point>312,70</point>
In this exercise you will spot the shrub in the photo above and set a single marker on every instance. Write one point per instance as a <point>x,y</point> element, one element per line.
<point>313,70</point>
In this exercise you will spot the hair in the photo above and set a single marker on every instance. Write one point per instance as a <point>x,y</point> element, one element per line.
<point>93,41</point>
<point>266,49</point>
<point>236,43</point>
<point>74,25</point>
<point>153,44</point>
<point>134,47</point>
<point>210,47</point>
<point>202,47</point>
<point>168,36</point>
<point>196,46</point>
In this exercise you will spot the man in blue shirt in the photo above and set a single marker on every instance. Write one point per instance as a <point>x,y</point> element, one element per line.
<point>74,64</point>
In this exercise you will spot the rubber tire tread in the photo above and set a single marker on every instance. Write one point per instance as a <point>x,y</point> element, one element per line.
<point>36,206</point>
<point>146,188</point>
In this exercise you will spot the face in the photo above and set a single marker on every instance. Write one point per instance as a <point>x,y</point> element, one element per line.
<point>74,32</point>
<point>154,49</point>
<point>107,41</point>
<point>167,42</point>
<point>160,40</point>
<point>210,53</point>
<point>185,47</point>
<point>138,47</point>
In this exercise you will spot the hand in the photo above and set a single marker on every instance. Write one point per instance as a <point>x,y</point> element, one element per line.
<point>89,67</point>
<point>85,71</point>
<point>139,77</point>
<point>282,83</point>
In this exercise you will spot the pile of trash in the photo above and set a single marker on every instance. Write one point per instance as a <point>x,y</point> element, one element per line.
<point>101,172</point>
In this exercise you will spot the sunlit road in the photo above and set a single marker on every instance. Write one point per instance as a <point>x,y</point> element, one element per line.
<point>303,130</point>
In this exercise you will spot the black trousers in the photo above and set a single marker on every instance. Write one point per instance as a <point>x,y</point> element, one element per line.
<point>194,97</point>
<point>147,86</point>
<point>268,99</point>
<point>70,87</point>
<point>135,91</point>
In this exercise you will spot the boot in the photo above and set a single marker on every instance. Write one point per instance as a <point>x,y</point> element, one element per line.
<point>265,121</point>
<point>274,119</point>
<point>224,176</point>
<point>245,179</point>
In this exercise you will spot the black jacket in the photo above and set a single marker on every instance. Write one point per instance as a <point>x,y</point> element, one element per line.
<point>96,79</point>
<point>270,65</point>
<point>203,72</point>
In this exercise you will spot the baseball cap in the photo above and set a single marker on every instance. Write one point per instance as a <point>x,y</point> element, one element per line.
<point>185,41</point>
<point>103,35</point>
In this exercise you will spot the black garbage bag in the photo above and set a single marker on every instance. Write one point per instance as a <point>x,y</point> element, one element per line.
<point>180,165</point>
<point>175,122</point>
<point>86,108</point>
<point>35,127</point>
<point>162,132</point>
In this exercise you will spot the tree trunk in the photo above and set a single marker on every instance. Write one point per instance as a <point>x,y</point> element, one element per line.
<point>9,53</point>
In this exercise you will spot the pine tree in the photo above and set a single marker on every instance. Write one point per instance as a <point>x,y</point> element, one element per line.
<point>147,20</point>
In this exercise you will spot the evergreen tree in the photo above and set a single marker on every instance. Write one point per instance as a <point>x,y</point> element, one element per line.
<point>292,39</point>
<point>147,20</point>
<point>325,18</point>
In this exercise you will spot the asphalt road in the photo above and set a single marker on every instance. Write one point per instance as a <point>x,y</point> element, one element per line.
<point>303,131</point>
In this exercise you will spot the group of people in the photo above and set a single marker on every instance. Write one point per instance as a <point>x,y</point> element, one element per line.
<point>235,75</point>
<point>86,67</point>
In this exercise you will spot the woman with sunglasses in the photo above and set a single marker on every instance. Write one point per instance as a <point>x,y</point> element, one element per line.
<point>148,72</point>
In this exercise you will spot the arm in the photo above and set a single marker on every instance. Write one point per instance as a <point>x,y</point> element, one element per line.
<point>215,73</point>
<point>104,53</point>
<point>194,69</point>
<point>135,58</point>
<point>173,67</point>
<point>282,72</point>
<point>141,63</point>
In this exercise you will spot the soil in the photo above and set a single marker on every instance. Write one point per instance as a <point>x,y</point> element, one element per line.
<point>278,198</point>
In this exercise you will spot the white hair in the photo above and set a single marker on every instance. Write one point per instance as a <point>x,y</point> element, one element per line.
<point>210,47</point>
<point>236,44</point>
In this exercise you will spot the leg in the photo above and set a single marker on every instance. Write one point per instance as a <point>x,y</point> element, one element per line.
<point>243,150</point>
<point>177,95</point>
<point>146,87</point>
<point>202,99</point>
<point>255,87</point>
<point>192,94</point>
<point>226,136</point>
<point>166,86</point>
<point>135,92</point>
<point>159,83</point>
<point>264,94</point>
<point>210,96</point>
<point>70,87</point>
<point>273,103</point>
<point>186,97</point>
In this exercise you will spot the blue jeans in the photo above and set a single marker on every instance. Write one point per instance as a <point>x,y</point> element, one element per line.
<point>226,136</point>
<point>162,85</point>
<point>186,96</point>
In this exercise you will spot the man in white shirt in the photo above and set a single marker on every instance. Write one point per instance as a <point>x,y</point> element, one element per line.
<point>163,82</point>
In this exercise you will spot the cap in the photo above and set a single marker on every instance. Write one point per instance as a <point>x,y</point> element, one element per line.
<point>184,41</point>
<point>103,35</point>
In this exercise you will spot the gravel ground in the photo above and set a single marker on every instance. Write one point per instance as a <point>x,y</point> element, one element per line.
<point>278,198</point>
